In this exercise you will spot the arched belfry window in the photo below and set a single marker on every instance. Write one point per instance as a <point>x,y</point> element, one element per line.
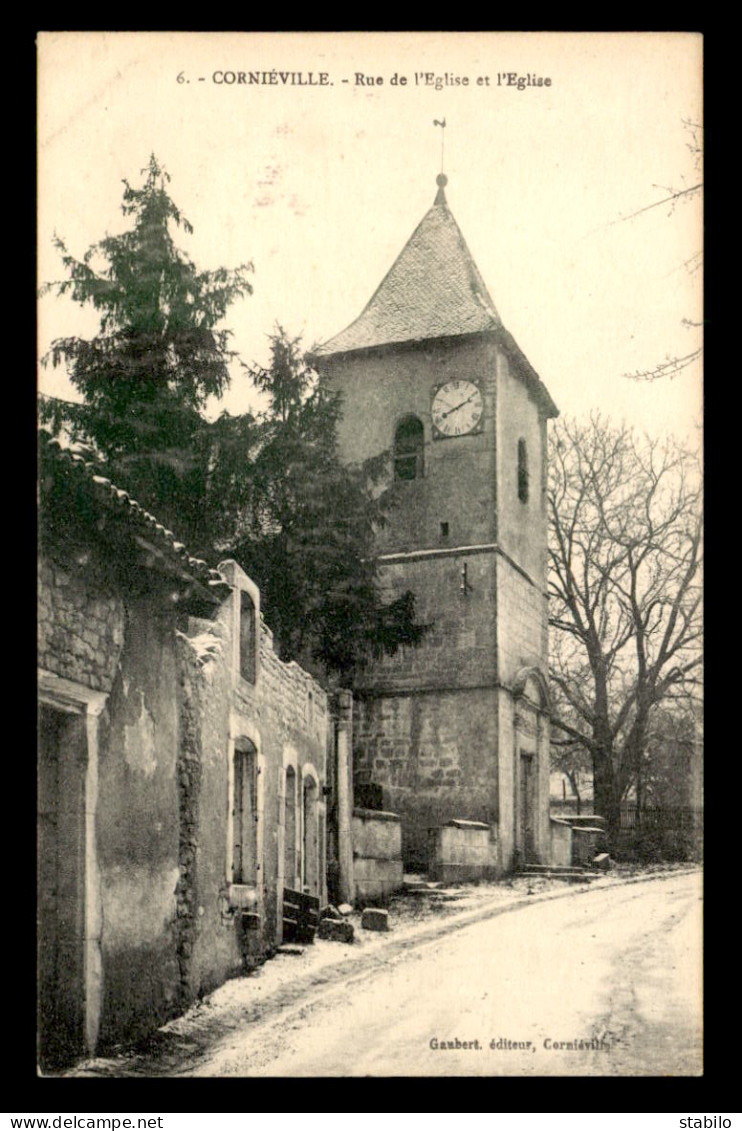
<point>522,471</point>
<point>409,446</point>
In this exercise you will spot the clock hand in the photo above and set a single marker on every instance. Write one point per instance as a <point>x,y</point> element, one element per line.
<point>457,407</point>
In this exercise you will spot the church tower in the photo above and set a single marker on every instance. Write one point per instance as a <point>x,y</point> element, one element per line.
<point>457,728</point>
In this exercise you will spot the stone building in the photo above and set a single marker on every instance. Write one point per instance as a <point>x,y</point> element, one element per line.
<point>457,728</point>
<point>182,770</point>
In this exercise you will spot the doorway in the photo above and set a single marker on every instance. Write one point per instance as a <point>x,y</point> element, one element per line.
<point>291,862</point>
<point>61,887</point>
<point>527,845</point>
<point>310,862</point>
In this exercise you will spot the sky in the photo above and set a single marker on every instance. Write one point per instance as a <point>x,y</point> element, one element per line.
<point>318,176</point>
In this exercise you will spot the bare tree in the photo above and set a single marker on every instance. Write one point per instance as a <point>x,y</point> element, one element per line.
<point>625,592</point>
<point>673,196</point>
<point>672,771</point>
<point>569,755</point>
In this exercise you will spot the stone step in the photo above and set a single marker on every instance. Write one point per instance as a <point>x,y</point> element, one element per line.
<point>419,884</point>
<point>535,869</point>
<point>569,877</point>
<point>433,893</point>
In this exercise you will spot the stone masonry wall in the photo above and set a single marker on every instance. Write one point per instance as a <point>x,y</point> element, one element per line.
<point>377,855</point>
<point>163,768</point>
<point>137,831</point>
<point>290,711</point>
<point>101,642</point>
<point>285,707</point>
<point>80,633</point>
<point>522,613</point>
<point>458,483</point>
<point>462,851</point>
<point>521,525</point>
<point>292,698</point>
<point>208,942</point>
<point>435,756</point>
<point>459,648</point>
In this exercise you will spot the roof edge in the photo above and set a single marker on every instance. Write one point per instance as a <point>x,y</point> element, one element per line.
<point>145,529</point>
<point>401,343</point>
<point>498,332</point>
<point>477,286</point>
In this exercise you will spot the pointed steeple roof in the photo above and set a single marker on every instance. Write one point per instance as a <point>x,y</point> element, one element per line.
<point>433,290</point>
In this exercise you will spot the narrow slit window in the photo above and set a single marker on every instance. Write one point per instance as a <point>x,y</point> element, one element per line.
<point>248,647</point>
<point>522,471</point>
<point>409,445</point>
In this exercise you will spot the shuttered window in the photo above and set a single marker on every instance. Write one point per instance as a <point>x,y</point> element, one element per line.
<point>244,814</point>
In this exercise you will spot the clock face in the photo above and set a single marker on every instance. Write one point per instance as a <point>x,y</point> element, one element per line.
<point>457,408</point>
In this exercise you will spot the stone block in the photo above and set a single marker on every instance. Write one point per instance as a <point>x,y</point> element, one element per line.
<point>375,919</point>
<point>242,896</point>
<point>376,880</point>
<point>376,834</point>
<point>602,861</point>
<point>345,909</point>
<point>335,930</point>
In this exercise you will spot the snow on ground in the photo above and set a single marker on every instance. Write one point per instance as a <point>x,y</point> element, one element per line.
<point>300,973</point>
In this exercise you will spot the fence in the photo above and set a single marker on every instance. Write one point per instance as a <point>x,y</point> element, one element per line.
<point>655,832</point>
<point>669,832</point>
<point>677,818</point>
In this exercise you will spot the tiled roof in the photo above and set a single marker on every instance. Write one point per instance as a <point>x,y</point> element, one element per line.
<point>142,525</point>
<point>433,290</point>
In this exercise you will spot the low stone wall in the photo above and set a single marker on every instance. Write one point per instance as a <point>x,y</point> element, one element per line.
<point>561,843</point>
<point>586,843</point>
<point>462,850</point>
<point>377,854</point>
<point>295,698</point>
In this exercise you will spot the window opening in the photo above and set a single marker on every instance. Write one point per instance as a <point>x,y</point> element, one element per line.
<point>408,449</point>
<point>291,870</point>
<point>522,471</point>
<point>309,856</point>
<point>248,666</point>
<point>245,813</point>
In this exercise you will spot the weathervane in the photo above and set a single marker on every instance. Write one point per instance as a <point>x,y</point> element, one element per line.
<point>443,126</point>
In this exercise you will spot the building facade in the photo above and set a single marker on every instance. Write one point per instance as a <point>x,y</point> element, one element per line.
<point>457,728</point>
<point>182,771</point>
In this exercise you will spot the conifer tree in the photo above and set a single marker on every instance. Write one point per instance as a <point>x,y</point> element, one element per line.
<point>159,354</point>
<point>303,524</point>
<point>267,490</point>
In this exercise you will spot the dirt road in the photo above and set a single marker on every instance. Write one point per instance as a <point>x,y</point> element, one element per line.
<point>605,982</point>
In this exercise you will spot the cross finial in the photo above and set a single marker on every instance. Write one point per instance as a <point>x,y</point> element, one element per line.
<point>443,126</point>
